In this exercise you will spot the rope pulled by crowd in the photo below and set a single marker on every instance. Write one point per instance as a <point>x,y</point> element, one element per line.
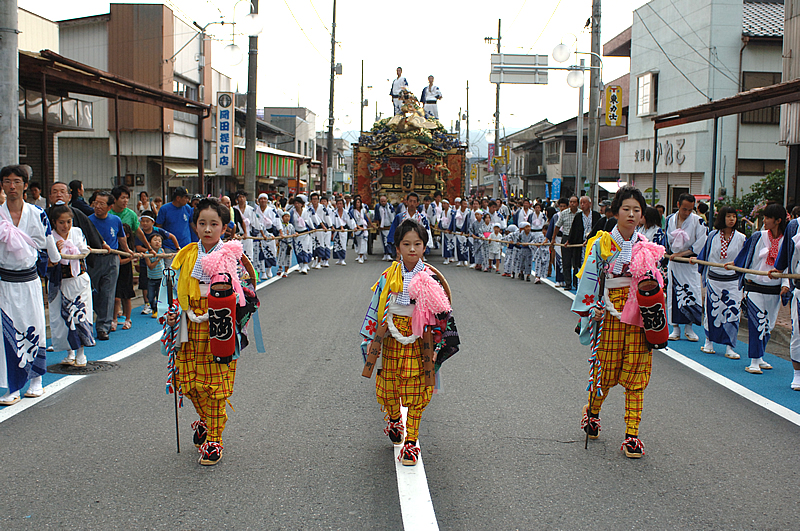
<point>525,244</point>
<point>730,267</point>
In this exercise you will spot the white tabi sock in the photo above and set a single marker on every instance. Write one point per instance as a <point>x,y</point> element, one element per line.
<point>80,359</point>
<point>36,385</point>
<point>796,380</point>
<point>754,362</point>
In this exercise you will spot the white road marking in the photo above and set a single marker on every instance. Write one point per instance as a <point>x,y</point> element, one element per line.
<point>416,505</point>
<point>62,383</point>
<point>727,383</point>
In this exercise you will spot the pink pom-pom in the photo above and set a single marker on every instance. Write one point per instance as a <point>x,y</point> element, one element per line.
<point>226,260</point>
<point>429,294</point>
<point>644,259</point>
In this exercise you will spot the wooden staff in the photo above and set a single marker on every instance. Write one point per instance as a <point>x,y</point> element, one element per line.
<point>729,267</point>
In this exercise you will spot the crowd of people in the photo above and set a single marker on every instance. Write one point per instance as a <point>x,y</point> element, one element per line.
<point>523,239</point>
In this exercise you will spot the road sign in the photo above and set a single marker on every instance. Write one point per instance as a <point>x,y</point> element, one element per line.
<point>518,68</point>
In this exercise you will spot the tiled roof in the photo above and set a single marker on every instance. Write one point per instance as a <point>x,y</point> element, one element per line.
<point>762,19</point>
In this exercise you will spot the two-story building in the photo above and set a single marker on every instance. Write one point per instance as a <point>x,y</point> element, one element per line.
<point>689,52</point>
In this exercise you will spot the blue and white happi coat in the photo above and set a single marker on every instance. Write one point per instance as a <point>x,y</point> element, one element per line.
<point>684,297</point>
<point>303,243</point>
<point>286,246</point>
<point>762,308</point>
<point>461,220</point>
<point>383,217</point>
<point>70,302</point>
<point>723,295</point>
<point>266,251</point>
<point>341,220</point>
<point>788,261</point>
<point>447,221</point>
<point>21,304</point>
<point>420,216</point>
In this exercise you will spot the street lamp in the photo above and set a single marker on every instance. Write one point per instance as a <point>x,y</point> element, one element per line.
<point>575,79</point>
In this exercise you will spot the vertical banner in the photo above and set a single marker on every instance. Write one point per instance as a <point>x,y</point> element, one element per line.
<point>225,132</point>
<point>613,105</point>
<point>490,159</point>
<point>504,182</point>
<point>547,190</point>
<point>556,188</point>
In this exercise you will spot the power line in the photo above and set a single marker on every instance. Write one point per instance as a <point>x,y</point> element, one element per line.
<point>304,31</point>
<point>735,81</point>
<point>319,17</point>
<point>668,58</point>
<point>518,12</point>
<point>696,34</point>
<point>545,26</point>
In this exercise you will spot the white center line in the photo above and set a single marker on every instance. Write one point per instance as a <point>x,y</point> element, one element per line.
<point>416,505</point>
<point>62,383</point>
<point>727,383</point>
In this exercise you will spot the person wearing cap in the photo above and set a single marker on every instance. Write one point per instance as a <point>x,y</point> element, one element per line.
<point>301,220</point>
<point>430,98</point>
<point>397,85</point>
<point>146,224</point>
<point>176,217</point>
<point>447,223</point>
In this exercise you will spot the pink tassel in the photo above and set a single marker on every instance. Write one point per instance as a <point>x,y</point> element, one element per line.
<point>226,260</point>
<point>430,300</point>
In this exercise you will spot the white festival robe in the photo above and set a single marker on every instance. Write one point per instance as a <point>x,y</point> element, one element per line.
<point>21,303</point>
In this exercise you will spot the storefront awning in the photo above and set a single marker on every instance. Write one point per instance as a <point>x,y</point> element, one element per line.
<point>184,168</point>
<point>611,187</point>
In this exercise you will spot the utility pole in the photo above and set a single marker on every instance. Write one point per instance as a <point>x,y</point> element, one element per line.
<point>361,104</point>
<point>250,119</point>
<point>594,104</point>
<point>579,137</point>
<point>467,165</point>
<point>324,183</point>
<point>9,83</point>
<point>498,185</point>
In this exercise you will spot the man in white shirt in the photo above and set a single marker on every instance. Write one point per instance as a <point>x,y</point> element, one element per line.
<point>382,220</point>
<point>397,85</point>
<point>430,98</point>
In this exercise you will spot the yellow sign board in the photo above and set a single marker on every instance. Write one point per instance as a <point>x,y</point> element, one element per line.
<point>613,105</point>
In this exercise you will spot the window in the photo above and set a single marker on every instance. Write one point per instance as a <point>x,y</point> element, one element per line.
<point>768,115</point>
<point>299,146</point>
<point>185,90</point>
<point>646,94</point>
<point>305,149</point>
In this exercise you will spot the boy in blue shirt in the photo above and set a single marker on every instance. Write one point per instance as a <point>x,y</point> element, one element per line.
<point>176,217</point>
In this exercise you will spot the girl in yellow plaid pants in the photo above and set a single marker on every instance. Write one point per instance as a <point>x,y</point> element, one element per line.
<point>401,379</point>
<point>627,360</point>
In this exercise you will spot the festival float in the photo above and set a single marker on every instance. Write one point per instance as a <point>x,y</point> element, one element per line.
<point>409,153</point>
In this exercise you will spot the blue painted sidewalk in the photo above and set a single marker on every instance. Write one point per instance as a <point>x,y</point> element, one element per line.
<point>772,384</point>
<point>144,326</point>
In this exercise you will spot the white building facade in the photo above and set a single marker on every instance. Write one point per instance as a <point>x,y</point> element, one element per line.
<point>686,53</point>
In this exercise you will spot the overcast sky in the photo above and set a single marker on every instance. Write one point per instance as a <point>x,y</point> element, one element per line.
<point>443,38</point>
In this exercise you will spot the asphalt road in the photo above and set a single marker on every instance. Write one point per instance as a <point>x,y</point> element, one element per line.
<point>304,448</point>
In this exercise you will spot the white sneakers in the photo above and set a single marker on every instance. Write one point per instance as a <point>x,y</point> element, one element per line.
<point>387,258</point>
